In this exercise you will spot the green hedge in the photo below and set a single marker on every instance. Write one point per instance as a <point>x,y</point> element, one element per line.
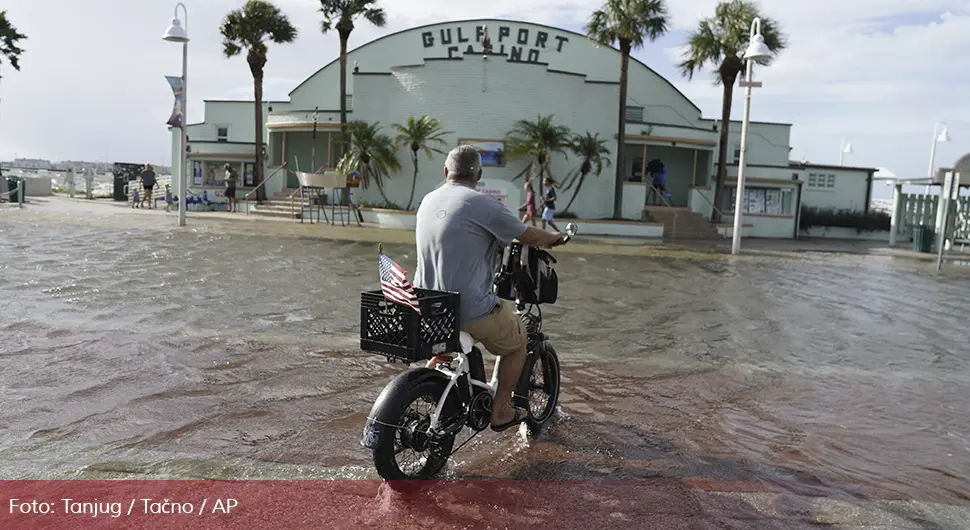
<point>830,217</point>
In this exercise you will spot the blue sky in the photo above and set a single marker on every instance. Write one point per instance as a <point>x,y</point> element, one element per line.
<point>879,72</point>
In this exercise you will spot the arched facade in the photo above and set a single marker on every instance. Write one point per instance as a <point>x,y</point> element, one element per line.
<point>444,71</point>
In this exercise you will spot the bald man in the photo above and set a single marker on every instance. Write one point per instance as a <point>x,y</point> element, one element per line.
<point>458,235</point>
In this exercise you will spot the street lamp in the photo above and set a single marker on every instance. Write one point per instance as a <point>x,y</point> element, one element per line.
<point>943,136</point>
<point>177,33</point>
<point>756,50</point>
<point>845,149</point>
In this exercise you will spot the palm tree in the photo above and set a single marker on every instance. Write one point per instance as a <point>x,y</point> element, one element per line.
<point>594,154</point>
<point>370,152</point>
<point>8,41</point>
<point>626,22</point>
<point>721,41</point>
<point>8,45</point>
<point>248,28</point>
<point>419,134</point>
<point>340,15</point>
<point>539,140</point>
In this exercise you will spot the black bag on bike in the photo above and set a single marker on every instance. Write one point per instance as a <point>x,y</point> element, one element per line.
<point>527,273</point>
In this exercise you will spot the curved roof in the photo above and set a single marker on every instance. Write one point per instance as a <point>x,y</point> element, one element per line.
<point>467,20</point>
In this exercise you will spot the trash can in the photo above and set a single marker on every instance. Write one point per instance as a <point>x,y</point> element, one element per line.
<point>13,183</point>
<point>923,237</point>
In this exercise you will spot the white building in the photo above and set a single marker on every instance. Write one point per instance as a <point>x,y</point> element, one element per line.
<point>442,70</point>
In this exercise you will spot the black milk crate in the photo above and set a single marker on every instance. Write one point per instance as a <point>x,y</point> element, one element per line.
<point>397,331</point>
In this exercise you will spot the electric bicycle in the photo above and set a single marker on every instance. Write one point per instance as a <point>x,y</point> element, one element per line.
<point>454,393</point>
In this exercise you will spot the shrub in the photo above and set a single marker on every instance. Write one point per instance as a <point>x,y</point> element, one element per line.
<point>862,222</point>
<point>381,205</point>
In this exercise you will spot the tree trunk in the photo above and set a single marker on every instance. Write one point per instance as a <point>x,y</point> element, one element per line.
<point>727,79</point>
<point>414,179</point>
<point>258,172</point>
<point>380,188</point>
<point>582,176</point>
<point>621,132</point>
<point>343,90</point>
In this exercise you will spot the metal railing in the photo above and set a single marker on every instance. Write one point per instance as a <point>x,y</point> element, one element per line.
<point>20,190</point>
<point>263,183</point>
<point>713,209</point>
<point>663,197</point>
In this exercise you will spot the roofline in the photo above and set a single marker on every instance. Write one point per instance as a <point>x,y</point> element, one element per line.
<point>239,101</point>
<point>717,120</point>
<point>632,58</point>
<point>806,165</point>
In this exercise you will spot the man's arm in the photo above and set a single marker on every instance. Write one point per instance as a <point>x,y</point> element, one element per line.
<point>539,238</point>
<point>505,226</point>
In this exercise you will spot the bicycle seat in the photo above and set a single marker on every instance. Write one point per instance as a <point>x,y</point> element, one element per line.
<point>466,341</point>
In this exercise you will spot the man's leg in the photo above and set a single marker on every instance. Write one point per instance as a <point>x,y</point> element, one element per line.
<point>503,335</point>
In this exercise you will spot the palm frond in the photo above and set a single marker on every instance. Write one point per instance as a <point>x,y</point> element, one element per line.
<point>633,22</point>
<point>724,37</point>
<point>9,37</point>
<point>251,25</point>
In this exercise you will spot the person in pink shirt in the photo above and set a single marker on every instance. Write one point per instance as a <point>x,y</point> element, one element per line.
<point>530,204</point>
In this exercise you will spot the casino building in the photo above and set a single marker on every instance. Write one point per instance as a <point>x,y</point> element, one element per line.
<point>444,71</point>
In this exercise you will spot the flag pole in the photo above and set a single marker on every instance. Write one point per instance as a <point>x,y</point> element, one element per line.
<point>380,248</point>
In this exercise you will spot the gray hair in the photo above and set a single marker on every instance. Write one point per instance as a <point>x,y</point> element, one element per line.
<point>463,162</point>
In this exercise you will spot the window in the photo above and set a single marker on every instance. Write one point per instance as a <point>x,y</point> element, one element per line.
<point>634,114</point>
<point>737,153</point>
<point>214,172</point>
<point>770,201</point>
<point>821,180</point>
<point>222,134</point>
<point>349,101</point>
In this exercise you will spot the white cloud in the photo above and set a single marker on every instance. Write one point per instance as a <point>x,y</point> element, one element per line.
<point>881,72</point>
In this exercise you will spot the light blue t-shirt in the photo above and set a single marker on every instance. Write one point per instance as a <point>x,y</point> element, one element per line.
<point>459,234</point>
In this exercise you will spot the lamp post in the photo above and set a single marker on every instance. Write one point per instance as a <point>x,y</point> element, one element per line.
<point>943,136</point>
<point>177,33</point>
<point>313,148</point>
<point>757,49</point>
<point>845,148</point>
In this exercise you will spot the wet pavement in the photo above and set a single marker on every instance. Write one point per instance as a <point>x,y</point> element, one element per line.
<point>770,391</point>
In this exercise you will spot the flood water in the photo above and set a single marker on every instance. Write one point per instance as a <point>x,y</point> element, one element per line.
<point>131,349</point>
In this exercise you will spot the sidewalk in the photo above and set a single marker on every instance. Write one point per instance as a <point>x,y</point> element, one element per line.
<point>751,248</point>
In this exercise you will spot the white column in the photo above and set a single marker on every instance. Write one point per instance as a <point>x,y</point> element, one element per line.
<point>897,206</point>
<point>941,203</point>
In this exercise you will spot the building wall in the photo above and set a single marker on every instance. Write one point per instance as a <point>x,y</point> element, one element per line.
<point>768,143</point>
<point>462,94</point>
<point>834,187</point>
<point>661,101</point>
<point>541,70</point>
<point>239,117</point>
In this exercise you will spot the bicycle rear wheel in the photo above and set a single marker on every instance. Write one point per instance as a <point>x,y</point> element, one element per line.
<point>406,451</point>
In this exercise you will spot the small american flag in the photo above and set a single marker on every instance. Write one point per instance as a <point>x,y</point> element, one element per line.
<point>395,284</point>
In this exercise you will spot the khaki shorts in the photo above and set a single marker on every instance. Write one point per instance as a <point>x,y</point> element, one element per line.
<point>501,331</point>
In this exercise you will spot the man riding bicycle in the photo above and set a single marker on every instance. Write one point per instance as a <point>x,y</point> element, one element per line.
<point>459,233</point>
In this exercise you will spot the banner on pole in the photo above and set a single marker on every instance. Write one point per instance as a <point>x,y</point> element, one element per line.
<point>177,118</point>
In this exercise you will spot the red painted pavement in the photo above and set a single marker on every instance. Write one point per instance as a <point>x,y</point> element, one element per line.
<point>657,504</point>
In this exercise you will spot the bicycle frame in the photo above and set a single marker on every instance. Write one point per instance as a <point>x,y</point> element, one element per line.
<point>464,369</point>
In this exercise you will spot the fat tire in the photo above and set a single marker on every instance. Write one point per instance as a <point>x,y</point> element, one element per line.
<point>384,460</point>
<point>550,365</point>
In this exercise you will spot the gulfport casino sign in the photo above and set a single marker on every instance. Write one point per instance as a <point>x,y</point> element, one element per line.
<point>519,44</point>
